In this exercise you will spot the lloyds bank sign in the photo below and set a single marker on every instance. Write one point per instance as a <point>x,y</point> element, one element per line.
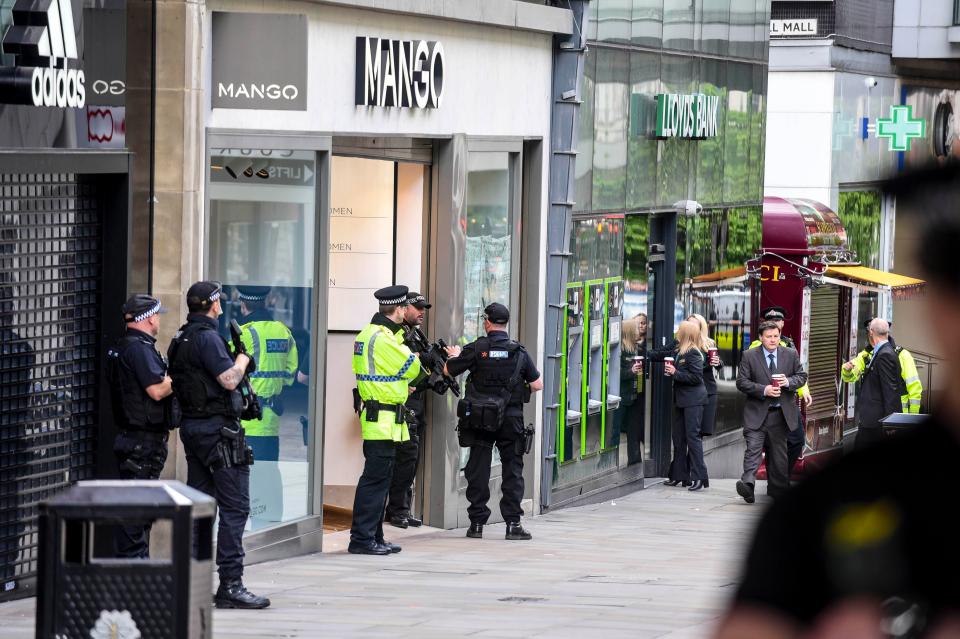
<point>692,116</point>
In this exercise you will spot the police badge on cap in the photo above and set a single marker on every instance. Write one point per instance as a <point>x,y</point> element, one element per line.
<point>418,300</point>
<point>140,306</point>
<point>392,295</point>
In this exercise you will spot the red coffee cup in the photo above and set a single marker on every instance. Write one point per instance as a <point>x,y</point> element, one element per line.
<point>667,360</point>
<point>780,379</point>
<point>712,352</point>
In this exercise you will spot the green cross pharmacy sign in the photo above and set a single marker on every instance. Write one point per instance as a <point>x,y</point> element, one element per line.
<point>901,127</point>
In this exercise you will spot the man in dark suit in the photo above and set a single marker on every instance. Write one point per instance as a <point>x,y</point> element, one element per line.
<point>881,387</point>
<point>770,375</point>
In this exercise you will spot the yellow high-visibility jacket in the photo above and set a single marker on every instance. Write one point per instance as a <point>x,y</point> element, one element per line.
<point>271,345</point>
<point>385,369</point>
<point>909,403</point>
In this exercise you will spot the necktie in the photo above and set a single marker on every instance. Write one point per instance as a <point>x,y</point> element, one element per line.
<point>773,369</point>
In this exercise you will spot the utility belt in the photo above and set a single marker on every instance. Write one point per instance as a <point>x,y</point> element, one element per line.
<point>232,449</point>
<point>402,414</point>
<point>154,436</point>
<point>273,403</point>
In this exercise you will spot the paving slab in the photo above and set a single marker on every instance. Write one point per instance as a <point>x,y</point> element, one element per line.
<point>661,562</point>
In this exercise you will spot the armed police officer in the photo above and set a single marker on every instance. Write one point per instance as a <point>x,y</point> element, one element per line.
<point>143,407</point>
<point>385,369</point>
<point>502,376</point>
<point>400,498</point>
<point>205,380</point>
<point>274,353</point>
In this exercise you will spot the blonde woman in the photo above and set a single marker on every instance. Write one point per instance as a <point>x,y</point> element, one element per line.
<point>628,419</point>
<point>709,380</point>
<point>689,399</point>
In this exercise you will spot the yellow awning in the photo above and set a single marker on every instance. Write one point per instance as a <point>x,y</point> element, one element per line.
<point>864,274</point>
<point>730,273</point>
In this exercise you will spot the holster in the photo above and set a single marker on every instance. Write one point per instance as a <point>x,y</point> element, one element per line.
<point>232,448</point>
<point>373,408</point>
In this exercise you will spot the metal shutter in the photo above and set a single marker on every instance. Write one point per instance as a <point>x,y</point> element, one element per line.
<point>823,348</point>
<point>50,274</point>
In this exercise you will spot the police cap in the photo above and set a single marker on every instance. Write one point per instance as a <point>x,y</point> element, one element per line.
<point>253,293</point>
<point>774,313</point>
<point>392,295</point>
<point>141,306</point>
<point>204,293</point>
<point>418,300</point>
<point>496,313</point>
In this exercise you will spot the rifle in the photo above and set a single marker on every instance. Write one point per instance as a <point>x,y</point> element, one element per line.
<point>251,403</point>
<point>432,357</point>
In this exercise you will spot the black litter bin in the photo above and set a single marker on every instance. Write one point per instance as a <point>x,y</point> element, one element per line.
<point>84,591</point>
<point>896,423</point>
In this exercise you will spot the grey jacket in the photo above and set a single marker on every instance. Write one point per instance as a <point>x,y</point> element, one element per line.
<point>754,376</point>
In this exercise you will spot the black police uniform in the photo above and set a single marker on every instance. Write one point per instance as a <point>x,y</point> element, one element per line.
<point>141,445</point>
<point>198,355</point>
<point>492,361</point>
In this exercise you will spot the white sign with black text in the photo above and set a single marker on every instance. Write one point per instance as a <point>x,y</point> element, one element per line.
<point>793,28</point>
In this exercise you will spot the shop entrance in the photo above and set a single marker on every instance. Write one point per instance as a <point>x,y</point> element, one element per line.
<point>379,206</point>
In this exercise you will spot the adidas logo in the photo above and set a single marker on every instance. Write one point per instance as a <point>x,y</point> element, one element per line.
<point>43,35</point>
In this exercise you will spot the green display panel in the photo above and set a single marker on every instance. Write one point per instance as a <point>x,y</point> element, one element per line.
<point>613,294</point>
<point>593,368</point>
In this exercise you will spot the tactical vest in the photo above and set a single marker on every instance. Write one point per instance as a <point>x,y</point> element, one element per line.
<point>199,393</point>
<point>132,407</point>
<point>495,366</point>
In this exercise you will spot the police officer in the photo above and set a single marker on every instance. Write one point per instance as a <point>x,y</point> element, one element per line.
<point>400,497</point>
<point>205,380</point>
<point>385,369</point>
<point>910,401</point>
<point>142,398</point>
<point>274,353</point>
<point>795,437</point>
<point>499,368</point>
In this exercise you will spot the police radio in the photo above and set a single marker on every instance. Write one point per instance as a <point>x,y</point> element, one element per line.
<point>251,403</point>
<point>433,357</point>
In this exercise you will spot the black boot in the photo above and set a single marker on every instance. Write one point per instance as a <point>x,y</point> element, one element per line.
<point>233,594</point>
<point>516,532</point>
<point>475,531</point>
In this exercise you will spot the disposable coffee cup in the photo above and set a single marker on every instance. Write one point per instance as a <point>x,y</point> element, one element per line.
<point>712,352</point>
<point>668,359</point>
<point>780,379</point>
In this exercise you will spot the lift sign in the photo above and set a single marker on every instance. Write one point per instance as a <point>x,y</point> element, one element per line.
<point>687,116</point>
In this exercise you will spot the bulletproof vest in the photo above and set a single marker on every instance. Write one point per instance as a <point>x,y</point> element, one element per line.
<point>495,366</point>
<point>199,393</point>
<point>132,407</point>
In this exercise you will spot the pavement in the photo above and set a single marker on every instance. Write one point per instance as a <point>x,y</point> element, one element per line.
<point>661,562</point>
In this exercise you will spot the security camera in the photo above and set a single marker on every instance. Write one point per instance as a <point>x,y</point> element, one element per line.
<point>688,207</point>
<point>870,82</point>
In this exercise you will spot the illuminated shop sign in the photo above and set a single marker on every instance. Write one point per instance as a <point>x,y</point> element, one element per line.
<point>42,39</point>
<point>399,73</point>
<point>687,116</point>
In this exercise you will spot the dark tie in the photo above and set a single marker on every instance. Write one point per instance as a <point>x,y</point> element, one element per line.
<point>773,369</point>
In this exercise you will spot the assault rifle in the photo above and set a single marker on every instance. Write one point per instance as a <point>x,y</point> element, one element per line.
<point>432,358</point>
<point>251,403</point>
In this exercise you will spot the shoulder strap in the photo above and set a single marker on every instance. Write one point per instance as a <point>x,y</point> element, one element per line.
<point>515,378</point>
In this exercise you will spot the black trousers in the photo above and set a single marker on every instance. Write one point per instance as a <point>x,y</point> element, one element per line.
<point>508,441</point>
<point>372,489</point>
<point>229,486</point>
<point>405,463</point>
<point>140,455</point>
<point>688,463</point>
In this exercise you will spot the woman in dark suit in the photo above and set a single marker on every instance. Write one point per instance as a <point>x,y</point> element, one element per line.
<point>629,416</point>
<point>708,425</point>
<point>689,399</point>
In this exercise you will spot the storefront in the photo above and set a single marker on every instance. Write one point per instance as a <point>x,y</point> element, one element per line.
<point>347,150</point>
<point>668,187</point>
<point>65,189</point>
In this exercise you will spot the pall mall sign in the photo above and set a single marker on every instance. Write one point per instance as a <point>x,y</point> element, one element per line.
<point>692,116</point>
<point>259,61</point>
<point>43,39</point>
<point>793,28</point>
<point>399,73</point>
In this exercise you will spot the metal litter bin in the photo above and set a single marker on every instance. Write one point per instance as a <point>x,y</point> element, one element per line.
<point>85,591</point>
<point>896,423</point>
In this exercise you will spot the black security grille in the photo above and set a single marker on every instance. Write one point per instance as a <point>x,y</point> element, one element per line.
<point>50,275</point>
<point>823,12</point>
